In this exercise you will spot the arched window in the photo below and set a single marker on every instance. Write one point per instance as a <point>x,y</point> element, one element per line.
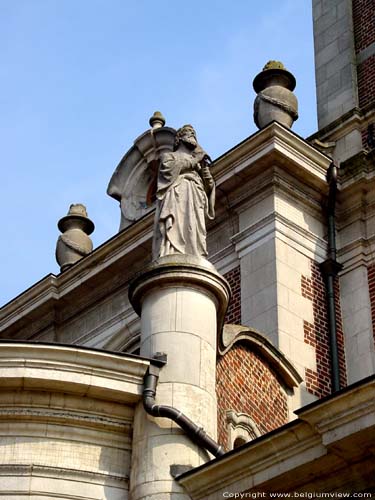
<point>241,429</point>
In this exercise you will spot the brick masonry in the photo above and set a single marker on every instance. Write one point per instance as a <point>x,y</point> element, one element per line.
<point>233,314</point>
<point>371,286</point>
<point>366,82</point>
<point>364,36</point>
<point>363,23</point>
<point>246,384</point>
<point>316,334</point>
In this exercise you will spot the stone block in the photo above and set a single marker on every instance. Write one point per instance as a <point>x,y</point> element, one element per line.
<point>300,306</point>
<point>288,276</point>
<point>159,312</point>
<point>328,6</point>
<point>157,454</point>
<point>182,309</point>
<point>159,490</point>
<point>257,280</point>
<point>353,143</point>
<point>146,425</point>
<point>346,42</point>
<point>256,212</point>
<point>358,322</point>
<point>258,258</point>
<point>335,67</point>
<point>198,405</point>
<point>343,101</point>
<point>365,344</point>
<point>347,76</point>
<point>290,322</point>
<point>63,488</point>
<point>292,258</point>
<point>327,54</point>
<point>262,301</point>
<point>207,379</point>
<point>321,74</point>
<point>196,314</point>
<point>363,366</point>
<point>266,322</point>
<point>343,12</point>
<point>173,343</point>
<point>317,9</point>
<point>285,343</point>
<point>354,280</point>
<point>303,354</point>
<point>352,303</point>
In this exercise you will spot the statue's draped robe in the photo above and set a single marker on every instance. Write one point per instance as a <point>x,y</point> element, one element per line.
<point>182,206</point>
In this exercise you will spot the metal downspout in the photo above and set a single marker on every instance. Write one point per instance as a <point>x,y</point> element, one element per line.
<point>196,433</point>
<point>330,268</point>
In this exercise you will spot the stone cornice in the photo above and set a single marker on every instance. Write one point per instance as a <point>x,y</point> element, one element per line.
<point>355,170</point>
<point>275,225</point>
<point>325,431</point>
<point>67,474</point>
<point>82,372</point>
<point>116,260</point>
<point>114,253</point>
<point>273,142</point>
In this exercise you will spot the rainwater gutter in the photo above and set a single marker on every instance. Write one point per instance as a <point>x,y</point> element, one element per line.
<point>195,433</point>
<point>330,269</point>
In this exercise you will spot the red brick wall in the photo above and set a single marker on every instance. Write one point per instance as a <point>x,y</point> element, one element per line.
<point>371,286</point>
<point>234,310</point>
<point>364,23</point>
<point>364,36</point>
<point>316,334</point>
<point>366,81</point>
<point>246,384</point>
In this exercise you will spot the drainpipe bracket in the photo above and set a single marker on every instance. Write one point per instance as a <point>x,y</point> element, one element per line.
<point>330,267</point>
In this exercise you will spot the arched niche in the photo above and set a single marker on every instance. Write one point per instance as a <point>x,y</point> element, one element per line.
<point>133,183</point>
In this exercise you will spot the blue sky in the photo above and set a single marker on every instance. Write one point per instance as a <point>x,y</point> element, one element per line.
<point>80,79</point>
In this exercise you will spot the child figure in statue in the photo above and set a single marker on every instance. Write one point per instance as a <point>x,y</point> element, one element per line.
<point>185,197</point>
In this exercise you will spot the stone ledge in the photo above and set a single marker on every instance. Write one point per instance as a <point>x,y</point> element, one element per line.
<point>288,458</point>
<point>71,370</point>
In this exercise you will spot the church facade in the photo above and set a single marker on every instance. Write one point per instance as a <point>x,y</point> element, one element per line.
<point>249,369</point>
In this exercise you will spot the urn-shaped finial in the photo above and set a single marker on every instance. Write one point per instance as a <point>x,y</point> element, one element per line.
<point>275,100</point>
<point>157,120</point>
<point>74,242</point>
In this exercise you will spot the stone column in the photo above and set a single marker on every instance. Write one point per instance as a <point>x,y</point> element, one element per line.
<point>182,302</point>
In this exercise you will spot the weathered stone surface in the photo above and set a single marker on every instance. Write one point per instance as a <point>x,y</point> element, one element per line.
<point>185,198</point>
<point>182,300</point>
<point>74,243</point>
<point>66,416</point>
<point>275,100</point>
<point>133,183</point>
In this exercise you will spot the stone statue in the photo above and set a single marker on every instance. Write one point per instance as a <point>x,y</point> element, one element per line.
<point>185,198</point>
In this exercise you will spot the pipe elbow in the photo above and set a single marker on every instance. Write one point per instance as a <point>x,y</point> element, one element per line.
<point>196,433</point>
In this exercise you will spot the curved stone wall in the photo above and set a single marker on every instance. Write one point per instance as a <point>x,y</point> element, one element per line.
<point>66,418</point>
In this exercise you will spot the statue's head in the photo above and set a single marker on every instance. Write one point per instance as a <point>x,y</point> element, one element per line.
<point>186,134</point>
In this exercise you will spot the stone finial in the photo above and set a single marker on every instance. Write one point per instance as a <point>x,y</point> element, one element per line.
<point>157,120</point>
<point>275,100</point>
<point>74,243</point>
